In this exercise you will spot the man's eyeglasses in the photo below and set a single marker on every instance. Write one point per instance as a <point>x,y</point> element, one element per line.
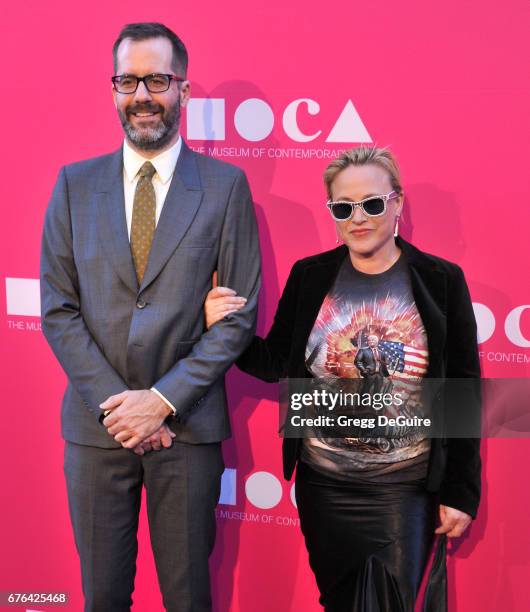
<point>154,83</point>
<point>374,206</point>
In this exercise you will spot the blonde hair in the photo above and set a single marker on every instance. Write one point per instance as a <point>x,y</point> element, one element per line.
<point>360,156</point>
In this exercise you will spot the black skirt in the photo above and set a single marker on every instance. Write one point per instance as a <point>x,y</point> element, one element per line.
<point>368,543</point>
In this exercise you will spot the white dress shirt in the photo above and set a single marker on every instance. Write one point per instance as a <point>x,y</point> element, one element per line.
<point>165,167</point>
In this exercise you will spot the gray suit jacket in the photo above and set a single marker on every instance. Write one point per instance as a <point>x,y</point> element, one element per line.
<point>108,333</point>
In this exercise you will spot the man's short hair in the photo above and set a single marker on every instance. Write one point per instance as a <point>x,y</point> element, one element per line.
<point>144,31</point>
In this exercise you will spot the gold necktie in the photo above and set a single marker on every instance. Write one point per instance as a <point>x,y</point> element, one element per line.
<point>143,219</point>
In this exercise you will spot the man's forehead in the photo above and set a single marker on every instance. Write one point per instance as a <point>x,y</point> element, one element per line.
<point>140,53</point>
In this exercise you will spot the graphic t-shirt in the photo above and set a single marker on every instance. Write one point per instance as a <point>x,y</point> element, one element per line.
<point>369,327</point>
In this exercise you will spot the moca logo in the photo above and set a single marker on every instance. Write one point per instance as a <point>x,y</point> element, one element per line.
<point>262,489</point>
<point>254,120</point>
<point>512,324</point>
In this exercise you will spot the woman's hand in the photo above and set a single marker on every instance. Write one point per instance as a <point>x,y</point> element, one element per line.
<point>220,302</point>
<point>453,522</point>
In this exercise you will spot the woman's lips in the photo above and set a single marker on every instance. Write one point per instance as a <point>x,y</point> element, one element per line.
<point>358,233</point>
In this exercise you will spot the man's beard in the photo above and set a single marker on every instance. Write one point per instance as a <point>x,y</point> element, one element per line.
<point>151,138</point>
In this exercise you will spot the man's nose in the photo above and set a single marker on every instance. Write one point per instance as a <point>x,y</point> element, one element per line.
<point>142,94</point>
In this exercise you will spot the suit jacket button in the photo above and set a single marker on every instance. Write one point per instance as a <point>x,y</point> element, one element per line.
<point>141,304</point>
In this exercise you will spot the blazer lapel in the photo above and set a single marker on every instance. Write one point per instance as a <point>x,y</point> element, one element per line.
<point>317,281</point>
<point>111,221</point>
<point>430,294</point>
<point>180,207</point>
<point>315,284</point>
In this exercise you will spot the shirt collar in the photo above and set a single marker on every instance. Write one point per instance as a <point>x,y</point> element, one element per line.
<point>164,163</point>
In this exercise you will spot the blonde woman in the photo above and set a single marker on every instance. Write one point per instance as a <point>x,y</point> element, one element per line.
<point>376,307</point>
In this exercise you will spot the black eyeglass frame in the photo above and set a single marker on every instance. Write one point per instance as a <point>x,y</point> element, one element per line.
<point>389,196</point>
<point>170,77</point>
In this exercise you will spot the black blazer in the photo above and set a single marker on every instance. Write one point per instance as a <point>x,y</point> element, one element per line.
<point>443,301</point>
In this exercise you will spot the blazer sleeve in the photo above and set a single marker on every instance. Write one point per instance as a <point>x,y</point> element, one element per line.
<point>461,485</point>
<point>359,361</point>
<point>62,324</point>
<point>238,267</point>
<point>267,358</point>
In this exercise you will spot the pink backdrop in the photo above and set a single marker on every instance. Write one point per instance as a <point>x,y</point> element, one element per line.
<point>443,85</point>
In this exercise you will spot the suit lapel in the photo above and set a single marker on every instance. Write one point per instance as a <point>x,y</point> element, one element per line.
<point>316,282</point>
<point>430,294</point>
<point>111,221</point>
<point>180,207</point>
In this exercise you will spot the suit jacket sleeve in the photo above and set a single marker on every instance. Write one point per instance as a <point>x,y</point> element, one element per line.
<point>267,358</point>
<point>62,323</point>
<point>238,267</point>
<point>461,485</point>
<point>359,361</point>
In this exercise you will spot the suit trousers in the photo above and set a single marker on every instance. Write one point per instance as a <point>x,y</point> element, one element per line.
<point>104,494</point>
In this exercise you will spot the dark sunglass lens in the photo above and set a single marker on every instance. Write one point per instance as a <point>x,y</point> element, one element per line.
<point>374,206</point>
<point>341,210</point>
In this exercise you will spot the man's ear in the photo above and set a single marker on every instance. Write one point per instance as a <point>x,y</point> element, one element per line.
<point>185,93</point>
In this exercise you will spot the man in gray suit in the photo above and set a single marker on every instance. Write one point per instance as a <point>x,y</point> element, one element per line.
<point>130,242</point>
